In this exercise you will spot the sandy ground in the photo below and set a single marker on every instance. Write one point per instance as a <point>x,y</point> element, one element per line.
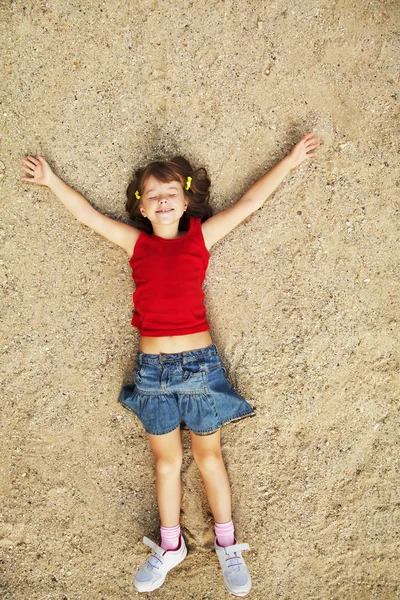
<point>302,297</point>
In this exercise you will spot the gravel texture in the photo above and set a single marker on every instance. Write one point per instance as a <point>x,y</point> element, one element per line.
<point>302,297</point>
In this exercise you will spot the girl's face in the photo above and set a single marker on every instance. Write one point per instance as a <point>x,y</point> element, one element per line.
<point>163,203</point>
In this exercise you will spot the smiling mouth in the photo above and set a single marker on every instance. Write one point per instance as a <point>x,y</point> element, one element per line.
<point>164,210</point>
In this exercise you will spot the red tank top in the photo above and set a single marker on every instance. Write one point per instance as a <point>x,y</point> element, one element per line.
<point>169,274</point>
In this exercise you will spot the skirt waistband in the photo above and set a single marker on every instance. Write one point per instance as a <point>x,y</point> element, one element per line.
<point>183,357</point>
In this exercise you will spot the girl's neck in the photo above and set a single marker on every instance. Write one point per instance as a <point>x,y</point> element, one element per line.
<point>168,232</point>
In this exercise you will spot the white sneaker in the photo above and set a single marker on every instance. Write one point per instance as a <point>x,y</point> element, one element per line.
<point>152,575</point>
<point>237,578</point>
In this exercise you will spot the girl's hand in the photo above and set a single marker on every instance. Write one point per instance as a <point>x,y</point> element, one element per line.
<point>38,169</point>
<point>303,150</point>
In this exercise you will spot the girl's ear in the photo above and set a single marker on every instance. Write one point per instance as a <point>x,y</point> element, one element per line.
<point>142,211</point>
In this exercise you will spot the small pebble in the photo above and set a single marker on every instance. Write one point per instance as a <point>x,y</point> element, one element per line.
<point>260,25</point>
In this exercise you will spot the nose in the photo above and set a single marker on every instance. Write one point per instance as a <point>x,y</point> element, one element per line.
<point>162,200</point>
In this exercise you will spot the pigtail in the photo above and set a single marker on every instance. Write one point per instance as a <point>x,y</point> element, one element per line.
<point>198,194</point>
<point>132,204</point>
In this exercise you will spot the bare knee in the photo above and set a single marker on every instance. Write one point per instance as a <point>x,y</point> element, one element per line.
<point>209,461</point>
<point>168,466</point>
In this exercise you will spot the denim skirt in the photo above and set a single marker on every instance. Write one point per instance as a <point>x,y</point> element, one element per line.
<point>188,389</point>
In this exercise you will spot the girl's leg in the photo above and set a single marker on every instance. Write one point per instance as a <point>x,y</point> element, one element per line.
<point>208,457</point>
<point>167,450</point>
<point>168,454</point>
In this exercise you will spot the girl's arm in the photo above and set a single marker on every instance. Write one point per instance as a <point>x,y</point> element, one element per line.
<point>221,224</point>
<point>119,233</point>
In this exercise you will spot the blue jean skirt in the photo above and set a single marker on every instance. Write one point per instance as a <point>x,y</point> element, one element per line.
<point>188,389</point>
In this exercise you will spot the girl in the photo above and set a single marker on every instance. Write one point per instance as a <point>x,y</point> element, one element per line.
<point>179,379</point>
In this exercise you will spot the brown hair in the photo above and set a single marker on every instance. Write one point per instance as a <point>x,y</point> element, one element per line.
<point>177,169</point>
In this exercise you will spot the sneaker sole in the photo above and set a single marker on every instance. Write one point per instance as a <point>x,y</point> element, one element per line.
<point>237,595</point>
<point>161,581</point>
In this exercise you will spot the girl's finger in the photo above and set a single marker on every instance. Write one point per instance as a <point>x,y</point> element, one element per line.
<point>312,139</point>
<point>308,136</point>
<point>29,179</point>
<point>312,145</point>
<point>28,169</point>
<point>29,163</point>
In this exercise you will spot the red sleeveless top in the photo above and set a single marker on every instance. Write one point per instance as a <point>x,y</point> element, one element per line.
<point>169,274</point>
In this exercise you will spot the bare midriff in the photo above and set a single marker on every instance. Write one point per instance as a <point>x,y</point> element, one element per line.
<point>175,343</point>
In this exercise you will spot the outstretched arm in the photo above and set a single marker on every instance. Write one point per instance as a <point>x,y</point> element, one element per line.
<point>221,224</point>
<point>119,233</point>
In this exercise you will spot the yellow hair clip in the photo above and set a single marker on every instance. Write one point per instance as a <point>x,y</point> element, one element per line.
<point>138,196</point>
<point>188,182</point>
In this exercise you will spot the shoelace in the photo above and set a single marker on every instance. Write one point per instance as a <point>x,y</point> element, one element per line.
<point>157,550</point>
<point>234,560</point>
<point>235,565</point>
<point>153,565</point>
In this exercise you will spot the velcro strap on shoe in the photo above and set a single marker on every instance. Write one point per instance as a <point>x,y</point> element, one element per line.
<point>153,546</point>
<point>236,548</point>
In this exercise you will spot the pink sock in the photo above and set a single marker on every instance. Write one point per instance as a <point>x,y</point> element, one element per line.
<point>224,533</point>
<point>170,537</point>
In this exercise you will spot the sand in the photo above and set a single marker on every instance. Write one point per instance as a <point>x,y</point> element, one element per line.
<point>302,298</point>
